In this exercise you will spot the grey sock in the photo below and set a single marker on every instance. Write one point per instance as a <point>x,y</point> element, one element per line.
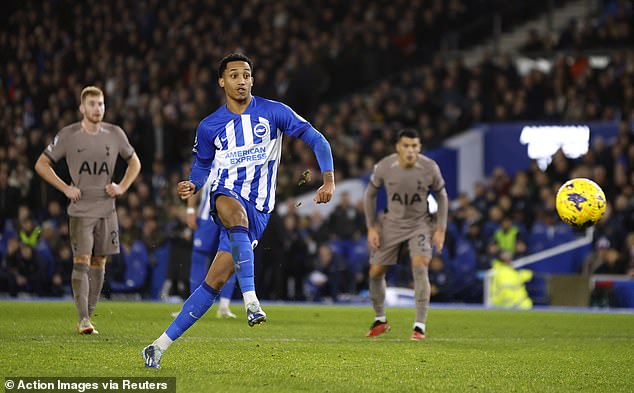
<point>95,276</point>
<point>79,281</point>
<point>377,295</point>
<point>422,292</point>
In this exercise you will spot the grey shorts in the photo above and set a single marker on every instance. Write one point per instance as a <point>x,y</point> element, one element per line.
<point>94,236</point>
<point>393,237</point>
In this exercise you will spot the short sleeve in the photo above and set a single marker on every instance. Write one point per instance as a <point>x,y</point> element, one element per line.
<point>125,148</point>
<point>438,182</point>
<point>57,149</point>
<point>377,177</point>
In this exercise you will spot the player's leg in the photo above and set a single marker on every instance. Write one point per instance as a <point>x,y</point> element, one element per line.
<point>80,283</point>
<point>95,279</point>
<point>80,232</point>
<point>233,216</point>
<point>225,298</point>
<point>380,261</point>
<point>377,287</point>
<point>106,242</point>
<point>208,237</point>
<point>422,294</point>
<point>420,253</point>
<point>193,309</point>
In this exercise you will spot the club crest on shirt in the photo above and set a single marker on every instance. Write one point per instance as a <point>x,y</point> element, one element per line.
<point>261,129</point>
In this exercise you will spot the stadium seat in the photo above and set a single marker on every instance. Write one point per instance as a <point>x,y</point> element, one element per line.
<point>46,257</point>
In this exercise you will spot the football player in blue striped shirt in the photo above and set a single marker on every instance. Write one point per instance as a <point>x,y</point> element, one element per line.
<point>243,138</point>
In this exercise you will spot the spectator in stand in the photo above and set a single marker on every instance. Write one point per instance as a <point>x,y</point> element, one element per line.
<point>479,244</point>
<point>604,260</point>
<point>63,269</point>
<point>275,258</point>
<point>439,280</point>
<point>45,250</point>
<point>9,197</point>
<point>507,236</point>
<point>329,277</point>
<point>346,222</point>
<point>25,269</point>
<point>296,258</point>
<point>28,235</point>
<point>608,28</point>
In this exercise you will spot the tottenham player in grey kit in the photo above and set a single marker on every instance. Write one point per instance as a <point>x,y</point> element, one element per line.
<point>91,148</point>
<point>408,177</point>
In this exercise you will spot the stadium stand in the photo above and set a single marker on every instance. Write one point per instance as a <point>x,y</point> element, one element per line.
<point>154,65</point>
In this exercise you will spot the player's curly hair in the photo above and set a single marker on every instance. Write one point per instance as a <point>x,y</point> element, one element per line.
<point>233,57</point>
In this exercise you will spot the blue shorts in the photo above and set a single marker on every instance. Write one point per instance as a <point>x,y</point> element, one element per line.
<point>257,219</point>
<point>206,236</point>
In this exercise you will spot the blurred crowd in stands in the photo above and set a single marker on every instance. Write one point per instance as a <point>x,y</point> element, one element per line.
<point>610,27</point>
<point>347,66</point>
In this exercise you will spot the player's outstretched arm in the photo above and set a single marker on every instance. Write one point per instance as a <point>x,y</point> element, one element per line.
<point>44,168</point>
<point>134,168</point>
<point>325,192</point>
<point>323,153</point>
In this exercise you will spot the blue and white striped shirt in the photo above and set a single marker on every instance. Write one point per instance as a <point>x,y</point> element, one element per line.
<point>246,148</point>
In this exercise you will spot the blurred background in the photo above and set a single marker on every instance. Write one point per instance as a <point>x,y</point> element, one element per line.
<point>479,79</point>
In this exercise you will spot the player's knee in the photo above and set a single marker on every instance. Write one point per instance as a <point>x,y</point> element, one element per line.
<point>215,282</point>
<point>420,261</point>
<point>98,261</point>
<point>376,272</point>
<point>83,259</point>
<point>238,217</point>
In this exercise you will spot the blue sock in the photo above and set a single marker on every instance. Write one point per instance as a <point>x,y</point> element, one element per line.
<point>242,254</point>
<point>193,309</point>
<point>227,290</point>
<point>198,270</point>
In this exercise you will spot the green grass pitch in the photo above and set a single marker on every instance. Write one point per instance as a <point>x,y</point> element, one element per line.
<point>324,349</point>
